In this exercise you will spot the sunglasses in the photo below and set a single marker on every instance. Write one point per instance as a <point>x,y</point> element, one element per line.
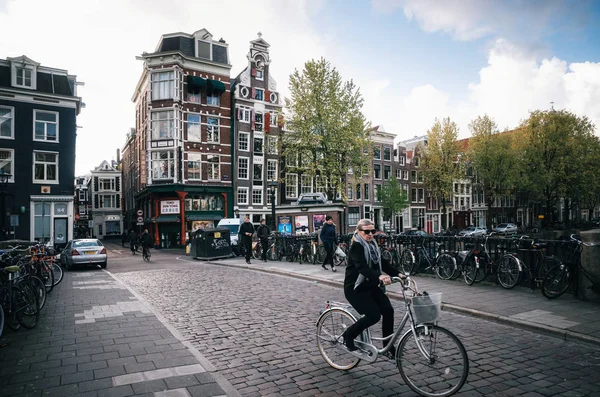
<point>369,231</point>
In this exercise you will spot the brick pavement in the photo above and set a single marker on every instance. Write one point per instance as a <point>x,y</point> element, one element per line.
<point>98,338</point>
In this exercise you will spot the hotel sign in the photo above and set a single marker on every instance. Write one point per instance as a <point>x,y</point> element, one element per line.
<point>169,207</point>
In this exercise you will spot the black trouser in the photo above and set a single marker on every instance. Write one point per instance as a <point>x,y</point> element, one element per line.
<point>264,245</point>
<point>247,241</point>
<point>373,304</point>
<point>329,253</point>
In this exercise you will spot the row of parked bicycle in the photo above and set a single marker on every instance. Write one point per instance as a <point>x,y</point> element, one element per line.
<point>27,276</point>
<point>549,265</point>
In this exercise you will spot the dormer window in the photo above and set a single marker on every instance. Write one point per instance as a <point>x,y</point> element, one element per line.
<point>23,73</point>
<point>24,77</point>
<point>211,51</point>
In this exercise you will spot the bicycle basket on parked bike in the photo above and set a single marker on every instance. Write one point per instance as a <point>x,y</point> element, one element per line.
<point>427,307</point>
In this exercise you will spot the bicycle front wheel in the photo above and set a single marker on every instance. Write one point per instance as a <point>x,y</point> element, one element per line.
<point>445,266</point>
<point>407,261</point>
<point>557,281</point>
<point>330,327</point>
<point>470,269</point>
<point>509,273</point>
<point>58,273</point>
<point>442,371</point>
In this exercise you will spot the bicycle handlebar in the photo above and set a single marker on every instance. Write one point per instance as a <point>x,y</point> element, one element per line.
<point>573,237</point>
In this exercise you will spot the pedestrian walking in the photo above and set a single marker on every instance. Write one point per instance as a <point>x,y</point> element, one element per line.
<point>247,230</point>
<point>263,232</point>
<point>328,238</point>
<point>124,238</point>
<point>133,242</point>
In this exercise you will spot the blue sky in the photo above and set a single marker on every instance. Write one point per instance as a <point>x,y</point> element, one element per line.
<point>414,60</point>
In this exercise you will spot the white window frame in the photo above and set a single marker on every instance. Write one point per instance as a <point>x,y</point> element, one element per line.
<point>55,163</point>
<point>291,185</point>
<point>306,184</point>
<point>244,191</point>
<point>273,119</point>
<point>245,160</point>
<point>81,196</point>
<point>401,160</point>
<point>262,146</point>
<point>375,152</point>
<point>10,160</point>
<point>197,135</point>
<point>380,172</point>
<point>111,198</point>
<point>170,164</point>
<point>246,136</point>
<point>366,192</point>
<point>261,74</point>
<point>389,149</point>
<point>16,68</point>
<point>258,177</point>
<point>272,170</point>
<point>320,184</point>
<point>268,196</point>
<point>156,122</point>
<point>212,130</point>
<point>405,175</point>
<point>213,99</point>
<point>194,158</point>
<point>262,94</point>
<point>214,168</point>
<point>45,123</point>
<point>259,125</point>
<point>257,193</point>
<point>387,169</point>
<point>11,119</point>
<point>246,113</point>
<point>272,142</point>
<point>398,173</point>
<point>162,89</point>
<point>102,182</point>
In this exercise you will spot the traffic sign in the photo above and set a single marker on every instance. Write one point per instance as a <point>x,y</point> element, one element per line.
<point>140,219</point>
<point>140,212</point>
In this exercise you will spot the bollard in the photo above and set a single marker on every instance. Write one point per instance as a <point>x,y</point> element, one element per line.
<point>590,260</point>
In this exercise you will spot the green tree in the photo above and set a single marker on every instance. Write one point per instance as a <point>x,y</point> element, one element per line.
<point>439,165</point>
<point>551,154</point>
<point>327,130</point>
<point>393,198</point>
<point>493,159</point>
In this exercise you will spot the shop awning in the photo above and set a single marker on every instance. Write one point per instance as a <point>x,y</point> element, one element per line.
<point>167,219</point>
<point>203,217</point>
<point>215,86</point>
<point>196,82</point>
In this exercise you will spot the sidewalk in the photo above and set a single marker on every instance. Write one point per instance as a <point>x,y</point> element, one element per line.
<point>565,317</point>
<point>96,337</point>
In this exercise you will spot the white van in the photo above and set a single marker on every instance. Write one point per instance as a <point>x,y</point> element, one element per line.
<point>233,224</point>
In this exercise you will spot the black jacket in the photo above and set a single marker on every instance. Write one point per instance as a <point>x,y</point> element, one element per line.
<point>357,264</point>
<point>328,233</point>
<point>146,239</point>
<point>263,231</point>
<point>247,227</point>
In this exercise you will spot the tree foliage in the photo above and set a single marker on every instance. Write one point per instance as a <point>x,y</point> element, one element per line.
<point>493,158</point>
<point>327,131</point>
<point>393,198</point>
<point>439,156</point>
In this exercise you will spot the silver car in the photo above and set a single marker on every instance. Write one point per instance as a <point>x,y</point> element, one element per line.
<point>505,228</point>
<point>473,231</point>
<point>83,252</point>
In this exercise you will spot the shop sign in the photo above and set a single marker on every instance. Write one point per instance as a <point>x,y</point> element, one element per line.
<point>113,217</point>
<point>169,207</point>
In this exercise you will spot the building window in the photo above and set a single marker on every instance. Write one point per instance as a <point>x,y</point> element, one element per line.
<point>7,162</point>
<point>405,175</point>
<point>398,173</point>
<point>193,166</point>
<point>244,114</point>
<point>214,167</point>
<point>376,152</point>
<point>163,84</point>
<point>387,172</point>
<point>420,177</point>
<point>258,146</point>
<point>305,184</point>
<point>42,218</point>
<point>320,184</point>
<point>291,186</point>
<point>353,215</point>
<point>421,195</point>
<point>258,121</point>
<point>377,192</point>
<point>387,153</point>
<point>243,168</point>
<point>272,145</point>
<point>271,170</point>
<point>413,195</point>
<point>259,74</point>
<point>193,128</point>
<point>257,196</point>
<point>257,174</point>
<point>7,124</point>
<point>417,161</point>
<point>367,193</point>
<point>24,77</point>
<point>212,98</point>
<point>242,195</point>
<point>413,176</point>
<point>377,171</point>
<point>401,160</point>
<point>350,195</point>
<point>212,129</point>
<point>45,167</point>
<point>107,201</point>
<point>46,126</point>
<point>163,165</point>
<point>243,141</point>
<point>81,196</point>
<point>358,192</point>
<point>163,125</point>
<point>273,119</point>
<point>269,201</point>
<point>259,94</point>
<point>106,184</point>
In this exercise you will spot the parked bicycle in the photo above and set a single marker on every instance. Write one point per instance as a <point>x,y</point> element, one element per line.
<point>441,263</point>
<point>431,359</point>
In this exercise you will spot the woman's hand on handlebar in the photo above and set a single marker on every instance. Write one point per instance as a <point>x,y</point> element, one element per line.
<point>385,279</point>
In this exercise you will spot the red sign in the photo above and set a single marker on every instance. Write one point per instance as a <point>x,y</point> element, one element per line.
<point>77,217</point>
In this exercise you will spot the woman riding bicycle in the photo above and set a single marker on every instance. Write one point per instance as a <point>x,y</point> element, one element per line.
<point>364,274</point>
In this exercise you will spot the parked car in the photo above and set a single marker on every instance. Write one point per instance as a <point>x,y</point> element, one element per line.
<point>505,228</point>
<point>473,231</point>
<point>83,252</point>
<point>414,233</point>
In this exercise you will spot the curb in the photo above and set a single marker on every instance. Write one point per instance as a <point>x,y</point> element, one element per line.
<point>540,328</point>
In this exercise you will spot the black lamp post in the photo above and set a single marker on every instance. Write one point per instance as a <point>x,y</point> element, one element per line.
<point>272,187</point>
<point>4,178</point>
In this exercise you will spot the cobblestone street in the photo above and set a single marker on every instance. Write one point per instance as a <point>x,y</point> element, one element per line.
<point>258,331</point>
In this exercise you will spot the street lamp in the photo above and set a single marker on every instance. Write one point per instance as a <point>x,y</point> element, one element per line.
<point>4,178</point>
<point>272,187</point>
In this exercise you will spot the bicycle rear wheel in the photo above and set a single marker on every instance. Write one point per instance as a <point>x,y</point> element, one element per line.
<point>25,305</point>
<point>407,261</point>
<point>509,273</point>
<point>557,281</point>
<point>330,327</point>
<point>445,369</point>
<point>445,266</point>
<point>470,269</point>
<point>58,273</point>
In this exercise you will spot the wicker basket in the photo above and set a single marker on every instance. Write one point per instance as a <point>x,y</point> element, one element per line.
<point>427,308</point>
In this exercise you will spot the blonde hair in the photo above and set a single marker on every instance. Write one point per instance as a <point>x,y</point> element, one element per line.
<point>364,222</point>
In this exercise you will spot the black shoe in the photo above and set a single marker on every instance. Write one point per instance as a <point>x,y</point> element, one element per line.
<point>391,353</point>
<point>248,262</point>
<point>324,267</point>
<point>333,269</point>
<point>349,343</point>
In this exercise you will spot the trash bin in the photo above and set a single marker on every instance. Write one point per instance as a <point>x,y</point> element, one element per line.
<point>211,244</point>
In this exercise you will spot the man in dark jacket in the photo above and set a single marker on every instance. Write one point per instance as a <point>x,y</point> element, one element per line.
<point>146,241</point>
<point>246,231</point>
<point>328,238</point>
<point>133,242</point>
<point>263,231</point>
